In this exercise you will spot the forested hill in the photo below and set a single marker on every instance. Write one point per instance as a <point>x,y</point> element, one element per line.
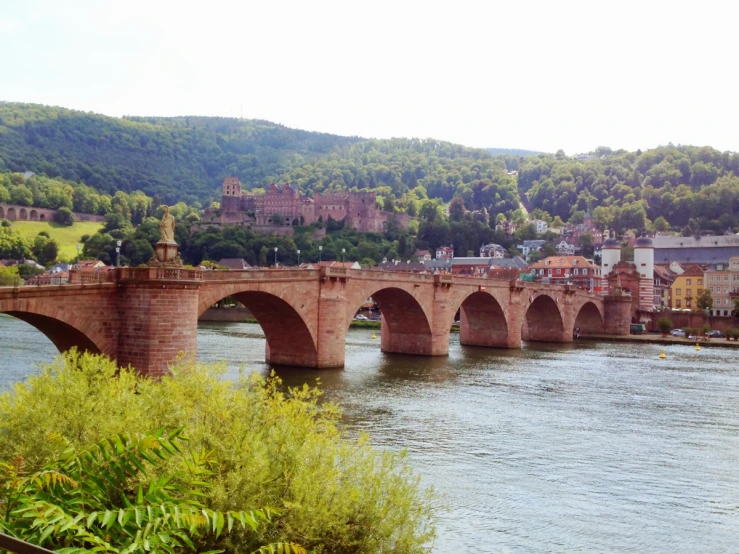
<point>687,188</point>
<point>186,158</point>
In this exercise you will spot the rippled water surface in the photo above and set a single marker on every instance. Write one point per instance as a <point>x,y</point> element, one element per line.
<point>589,447</point>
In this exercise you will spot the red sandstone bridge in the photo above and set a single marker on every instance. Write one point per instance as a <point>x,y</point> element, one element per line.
<point>147,317</point>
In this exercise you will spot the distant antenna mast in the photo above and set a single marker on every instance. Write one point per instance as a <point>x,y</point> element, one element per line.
<point>242,112</point>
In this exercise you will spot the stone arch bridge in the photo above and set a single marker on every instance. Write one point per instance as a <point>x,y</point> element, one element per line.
<point>147,317</point>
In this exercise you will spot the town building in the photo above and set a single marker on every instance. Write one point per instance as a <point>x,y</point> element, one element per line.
<point>444,253</point>
<point>564,248</point>
<point>493,250</point>
<point>575,270</point>
<point>530,246</point>
<point>686,288</point>
<point>402,267</point>
<point>422,255</point>
<point>696,250</point>
<point>722,280</point>
<point>541,226</point>
<point>284,206</point>
<point>663,279</point>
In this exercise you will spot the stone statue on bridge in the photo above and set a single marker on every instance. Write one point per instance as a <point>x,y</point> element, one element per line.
<point>167,251</point>
<point>167,226</point>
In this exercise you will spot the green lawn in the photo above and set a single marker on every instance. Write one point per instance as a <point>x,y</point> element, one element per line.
<point>67,237</point>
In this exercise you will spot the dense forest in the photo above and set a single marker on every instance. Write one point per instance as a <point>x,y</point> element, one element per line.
<point>685,188</point>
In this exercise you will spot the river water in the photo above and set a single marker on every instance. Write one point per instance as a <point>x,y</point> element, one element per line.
<point>551,448</point>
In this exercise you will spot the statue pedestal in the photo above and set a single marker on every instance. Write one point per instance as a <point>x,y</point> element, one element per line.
<point>166,254</point>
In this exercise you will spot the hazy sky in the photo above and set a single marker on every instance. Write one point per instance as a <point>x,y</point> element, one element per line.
<point>515,74</point>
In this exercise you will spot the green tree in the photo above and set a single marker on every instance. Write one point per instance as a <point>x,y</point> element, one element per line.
<point>456,209</point>
<point>660,224</point>
<point>21,195</point>
<point>585,241</point>
<point>45,249</point>
<point>9,276</point>
<point>704,300</point>
<point>64,216</point>
<point>665,325</point>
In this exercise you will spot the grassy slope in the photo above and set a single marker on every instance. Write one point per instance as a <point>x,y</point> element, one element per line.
<point>67,237</point>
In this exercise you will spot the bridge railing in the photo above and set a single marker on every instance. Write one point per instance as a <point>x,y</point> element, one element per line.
<point>259,274</point>
<point>158,273</point>
<point>80,277</point>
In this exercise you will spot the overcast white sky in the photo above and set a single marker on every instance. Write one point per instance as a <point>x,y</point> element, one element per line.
<point>516,74</point>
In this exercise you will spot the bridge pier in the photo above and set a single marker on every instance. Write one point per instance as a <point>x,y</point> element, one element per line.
<point>158,318</point>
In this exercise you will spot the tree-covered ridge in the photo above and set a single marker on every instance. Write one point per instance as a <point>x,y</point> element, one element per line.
<point>186,158</point>
<point>684,185</point>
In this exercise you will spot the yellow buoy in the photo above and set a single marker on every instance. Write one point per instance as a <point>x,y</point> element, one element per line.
<point>374,335</point>
<point>662,355</point>
<point>697,347</point>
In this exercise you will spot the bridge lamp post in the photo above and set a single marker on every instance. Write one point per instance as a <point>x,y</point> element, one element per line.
<point>118,253</point>
<point>79,251</point>
<point>320,251</point>
<point>298,257</point>
<point>275,256</point>
<point>343,250</point>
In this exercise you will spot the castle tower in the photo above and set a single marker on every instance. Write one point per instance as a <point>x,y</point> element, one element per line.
<point>611,255</point>
<point>644,262</point>
<point>231,199</point>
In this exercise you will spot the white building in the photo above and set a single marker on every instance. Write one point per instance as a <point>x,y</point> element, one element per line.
<point>565,249</point>
<point>541,226</point>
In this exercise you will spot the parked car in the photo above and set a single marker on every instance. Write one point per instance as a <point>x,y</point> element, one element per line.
<point>715,334</point>
<point>360,317</point>
<point>677,333</point>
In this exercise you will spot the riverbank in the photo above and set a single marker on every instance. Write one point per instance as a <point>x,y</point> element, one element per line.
<point>658,339</point>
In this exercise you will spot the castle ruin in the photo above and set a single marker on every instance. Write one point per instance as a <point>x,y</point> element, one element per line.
<point>358,210</point>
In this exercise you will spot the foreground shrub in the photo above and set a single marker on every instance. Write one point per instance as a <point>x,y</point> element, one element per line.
<point>89,501</point>
<point>268,448</point>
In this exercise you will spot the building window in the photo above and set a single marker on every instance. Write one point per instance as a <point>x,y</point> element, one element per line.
<point>679,292</point>
<point>575,271</point>
<point>687,302</point>
<point>700,291</point>
<point>700,281</point>
<point>689,282</point>
<point>549,272</point>
<point>726,277</point>
<point>678,303</point>
<point>584,271</point>
<point>689,292</point>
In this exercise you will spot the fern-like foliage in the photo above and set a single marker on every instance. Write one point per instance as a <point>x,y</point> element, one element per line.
<point>127,494</point>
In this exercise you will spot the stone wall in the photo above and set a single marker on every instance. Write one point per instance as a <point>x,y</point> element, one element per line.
<point>696,320</point>
<point>14,212</point>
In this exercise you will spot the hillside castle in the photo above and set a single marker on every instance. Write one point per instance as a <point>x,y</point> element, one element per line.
<point>358,209</point>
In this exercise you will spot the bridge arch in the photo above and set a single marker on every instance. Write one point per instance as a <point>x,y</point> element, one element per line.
<point>34,215</point>
<point>23,214</point>
<point>482,320</point>
<point>589,318</point>
<point>544,321</point>
<point>290,340</point>
<point>2,212</point>
<point>63,335</point>
<point>11,215</point>
<point>406,321</point>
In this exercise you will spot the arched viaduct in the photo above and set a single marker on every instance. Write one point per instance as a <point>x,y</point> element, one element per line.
<point>147,317</point>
